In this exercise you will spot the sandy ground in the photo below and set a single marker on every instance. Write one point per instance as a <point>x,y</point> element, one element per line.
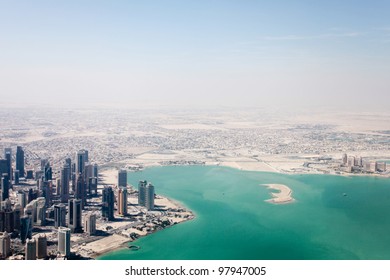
<point>249,166</point>
<point>106,244</point>
<point>284,194</point>
<point>109,176</point>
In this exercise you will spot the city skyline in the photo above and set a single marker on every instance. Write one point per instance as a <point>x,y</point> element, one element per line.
<point>203,53</point>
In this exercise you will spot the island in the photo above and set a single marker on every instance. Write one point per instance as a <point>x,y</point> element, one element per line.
<point>282,196</point>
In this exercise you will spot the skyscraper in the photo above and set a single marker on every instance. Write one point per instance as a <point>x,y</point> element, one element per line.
<point>93,182</point>
<point>48,174</point>
<point>64,241</point>
<point>81,159</point>
<point>59,215</point>
<point>25,228</point>
<point>16,177</point>
<point>146,195</point>
<point>90,224</point>
<point>149,198</point>
<point>8,158</point>
<point>142,192</point>
<point>20,160</point>
<point>40,211</point>
<point>41,246</point>
<point>31,249</point>
<point>18,212</point>
<point>108,203</point>
<point>4,186</point>
<point>74,215</point>
<point>80,191</point>
<point>122,201</point>
<point>64,188</point>
<point>5,245</point>
<point>122,178</point>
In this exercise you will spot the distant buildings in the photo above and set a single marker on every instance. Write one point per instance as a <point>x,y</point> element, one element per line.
<point>64,241</point>
<point>108,203</point>
<point>358,164</point>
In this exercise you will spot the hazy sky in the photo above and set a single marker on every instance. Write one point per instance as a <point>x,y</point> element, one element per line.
<point>241,52</point>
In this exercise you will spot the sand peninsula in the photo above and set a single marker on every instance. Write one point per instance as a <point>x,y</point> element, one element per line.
<point>283,196</point>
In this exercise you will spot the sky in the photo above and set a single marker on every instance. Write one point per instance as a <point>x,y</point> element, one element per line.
<point>196,53</point>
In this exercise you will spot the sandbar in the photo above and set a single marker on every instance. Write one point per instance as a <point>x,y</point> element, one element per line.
<point>284,194</point>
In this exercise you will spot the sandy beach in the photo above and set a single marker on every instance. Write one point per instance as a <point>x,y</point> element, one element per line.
<point>284,194</point>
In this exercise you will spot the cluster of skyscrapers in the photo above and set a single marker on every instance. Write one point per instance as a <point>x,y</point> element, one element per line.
<point>353,163</point>
<point>57,200</point>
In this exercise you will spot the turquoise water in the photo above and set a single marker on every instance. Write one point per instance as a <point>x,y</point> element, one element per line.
<point>234,222</point>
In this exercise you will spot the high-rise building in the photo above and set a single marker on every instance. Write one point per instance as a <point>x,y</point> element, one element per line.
<point>60,215</point>
<point>93,182</point>
<point>122,201</point>
<point>95,171</point>
<point>80,191</point>
<point>30,174</point>
<point>20,160</point>
<point>3,166</point>
<point>18,212</point>
<point>381,166</point>
<point>25,228</point>
<point>47,192</point>
<point>64,241</point>
<point>88,173</point>
<point>31,249</point>
<point>48,174</point>
<point>345,159</point>
<point>374,166</point>
<point>142,192</point>
<point>74,215</point>
<point>122,178</point>
<point>5,245</point>
<point>108,203</point>
<point>8,224</point>
<point>8,158</point>
<point>16,177</point>
<point>40,211</point>
<point>4,186</point>
<point>22,200</point>
<point>41,246</point>
<point>81,159</point>
<point>64,188</point>
<point>149,198</point>
<point>90,224</point>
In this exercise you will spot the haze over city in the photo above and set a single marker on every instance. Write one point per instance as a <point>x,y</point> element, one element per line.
<point>196,53</point>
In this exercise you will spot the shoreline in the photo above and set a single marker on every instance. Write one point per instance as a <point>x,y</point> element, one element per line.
<point>167,213</point>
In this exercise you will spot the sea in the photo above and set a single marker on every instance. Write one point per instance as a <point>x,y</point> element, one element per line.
<point>333,217</point>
